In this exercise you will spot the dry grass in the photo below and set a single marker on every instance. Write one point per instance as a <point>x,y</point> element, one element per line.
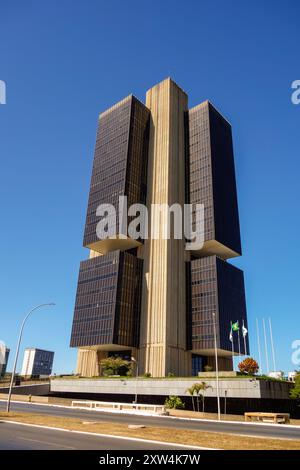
<point>214,416</point>
<point>180,436</point>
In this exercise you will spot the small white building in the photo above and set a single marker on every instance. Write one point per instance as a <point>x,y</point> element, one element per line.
<point>276,375</point>
<point>292,376</point>
<point>37,363</point>
<point>4,353</point>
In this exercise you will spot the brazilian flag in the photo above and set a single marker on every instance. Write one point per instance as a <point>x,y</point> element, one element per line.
<point>235,326</point>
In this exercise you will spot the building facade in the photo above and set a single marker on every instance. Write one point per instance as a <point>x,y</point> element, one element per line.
<point>3,361</point>
<point>37,363</point>
<point>150,297</point>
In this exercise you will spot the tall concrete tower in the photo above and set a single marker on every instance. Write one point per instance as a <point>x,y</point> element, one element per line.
<point>149,297</point>
<point>163,315</point>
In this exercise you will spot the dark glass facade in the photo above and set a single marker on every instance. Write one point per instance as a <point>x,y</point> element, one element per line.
<point>43,362</point>
<point>231,304</point>
<point>120,161</point>
<point>212,175</point>
<point>213,285</point>
<point>107,307</point>
<point>216,287</point>
<point>197,364</point>
<point>200,186</point>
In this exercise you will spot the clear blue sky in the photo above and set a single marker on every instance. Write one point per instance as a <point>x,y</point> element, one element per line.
<point>64,62</point>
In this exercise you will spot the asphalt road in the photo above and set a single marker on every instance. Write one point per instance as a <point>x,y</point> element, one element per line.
<point>18,437</point>
<point>261,430</point>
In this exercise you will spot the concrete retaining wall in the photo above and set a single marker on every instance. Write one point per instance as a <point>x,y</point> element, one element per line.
<point>37,389</point>
<point>25,398</point>
<point>234,388</point>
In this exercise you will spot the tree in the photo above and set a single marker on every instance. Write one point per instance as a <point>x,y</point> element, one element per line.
<point>248,366</point>
<point>115,366</point>
<point>191,392</point>
<point>200,389</point>
<point>295,391</point>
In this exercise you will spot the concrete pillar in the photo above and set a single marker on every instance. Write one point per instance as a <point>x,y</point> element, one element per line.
<point>163,316</point>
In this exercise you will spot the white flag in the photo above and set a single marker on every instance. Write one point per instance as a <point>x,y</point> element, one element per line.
<point>230,336</point>
<point>244,330</point>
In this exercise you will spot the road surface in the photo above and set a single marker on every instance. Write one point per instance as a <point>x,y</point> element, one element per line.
<point>274,431</point>
<point>18,437</point>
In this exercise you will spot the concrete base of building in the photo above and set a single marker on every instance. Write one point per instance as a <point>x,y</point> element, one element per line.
<point>89,359</point>
<point>224,363</point>
<point>157,360</point>
<point>88,362</point>
<point>229,387</point>
<point>212,374</point>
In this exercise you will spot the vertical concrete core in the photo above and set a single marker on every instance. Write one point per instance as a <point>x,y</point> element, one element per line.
<point>163,315</point>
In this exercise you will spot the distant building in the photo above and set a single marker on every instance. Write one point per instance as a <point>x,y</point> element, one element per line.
<point>276,375</point>
<point>3,362</point>
<point>37,362</point>
<point>292,376</point>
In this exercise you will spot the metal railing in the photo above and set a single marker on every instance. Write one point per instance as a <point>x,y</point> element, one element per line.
<point>113,406</point>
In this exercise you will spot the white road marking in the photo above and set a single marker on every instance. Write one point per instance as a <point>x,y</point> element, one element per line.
<point>46,442</point>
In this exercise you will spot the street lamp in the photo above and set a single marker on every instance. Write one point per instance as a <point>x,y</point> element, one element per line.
<point>136,377</point>
<point>18,349</point>
<point>217,368</point>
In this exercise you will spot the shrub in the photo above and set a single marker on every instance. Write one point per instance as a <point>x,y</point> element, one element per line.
<point>171,374</point>
<point>295,391</point>
<point>147,375</point>
<point>115,366</point>
<point>248,366</point>
<point>174,402</point>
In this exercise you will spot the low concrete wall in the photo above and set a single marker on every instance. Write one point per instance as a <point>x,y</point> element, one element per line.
<point>234,388</point>
<point>212,374</point>
<point>25,398</point>
<point>275,389</point>
<point>37,389</point>
<point>36,399</point>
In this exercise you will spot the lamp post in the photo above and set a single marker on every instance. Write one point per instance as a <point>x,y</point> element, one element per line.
<point>217,368</point>
<point>18,349</point>
<point>136,377</point>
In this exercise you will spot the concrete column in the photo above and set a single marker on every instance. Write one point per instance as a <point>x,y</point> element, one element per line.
<point>163,316</point>
<point>88,362</point>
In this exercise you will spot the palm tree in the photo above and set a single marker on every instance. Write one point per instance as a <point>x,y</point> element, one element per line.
<point>191,392</point>
<point>200,389</point>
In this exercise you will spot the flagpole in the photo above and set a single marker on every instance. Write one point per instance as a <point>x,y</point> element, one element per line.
<point>258,343</point>
<point>217,367</point>
<point>266,346</point>
<point>239,342</point>
<point>272,344</point>
<point>232,345</point>
<point>244,336</point>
